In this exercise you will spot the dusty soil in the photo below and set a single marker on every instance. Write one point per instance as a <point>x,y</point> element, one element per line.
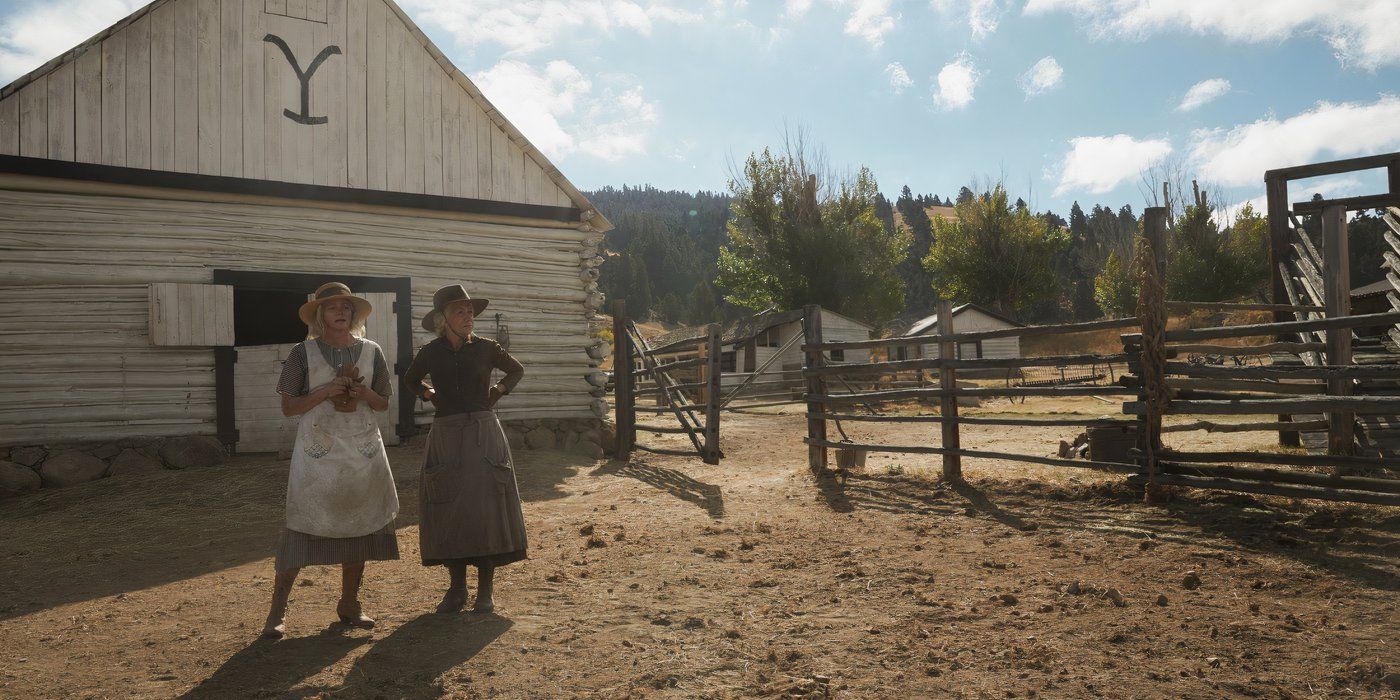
<point>665,577</point>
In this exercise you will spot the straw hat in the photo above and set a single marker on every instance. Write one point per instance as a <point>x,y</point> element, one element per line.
<point>446,296</point>
<point>331,291</point>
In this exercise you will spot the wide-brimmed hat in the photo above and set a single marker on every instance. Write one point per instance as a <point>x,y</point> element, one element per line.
<point>451,294</point>
<point>331,291</point>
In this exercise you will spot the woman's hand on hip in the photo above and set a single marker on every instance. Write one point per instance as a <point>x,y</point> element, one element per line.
<point>493,395</point>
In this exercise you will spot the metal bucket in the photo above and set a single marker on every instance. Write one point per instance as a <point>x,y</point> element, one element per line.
<point>850,458</point>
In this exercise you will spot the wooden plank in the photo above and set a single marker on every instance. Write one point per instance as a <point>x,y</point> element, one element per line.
<point>356,110</point>
<point>468,172</point>
<point>947,379</point>
<point>1370,201</point>
<point>60,111</point>
<point>500,165</point>
<point>977,363</point>
<point>298,140</point>
<point>1364,405</point>
<point>317,10</point>
<point>814,359</point>
<point>1283,476</point>
<point>976,420</point>
<point>1346,165</point>
<point>33,119</point>
<point>623,402</point>
<point>713,350</point>
<point>515,176</point>
<point>396,68</point>
<point>376,96</point>
<point>1267,329</point>
<point>329,97</point>
<point>415,119</point>
<point>1191,369</point>
<point>432,129</point>
<point>1017,332</point>
<point>276,7</point>
<point>254,92</point>
<point>209,54</point>
<point>163,87</point>
<point>296,8</point>
<point>114,99</point>
<point>451,137</point>
<point>9,126</point>
<point>1292,460</point>
<point>186,69</point>
<point>1336,260</point>
<point>138,93</point>
<point>276,97</point>
<point>485,132</point>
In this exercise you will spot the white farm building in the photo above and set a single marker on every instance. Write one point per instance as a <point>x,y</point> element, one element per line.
<point>173,188</point>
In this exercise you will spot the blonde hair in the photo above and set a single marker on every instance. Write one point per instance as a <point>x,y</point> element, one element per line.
<point>317,328</point>
<point>440,324</point>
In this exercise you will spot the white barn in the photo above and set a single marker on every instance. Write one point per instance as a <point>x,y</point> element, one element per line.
<point>967,318</point>
<point>172,188</point>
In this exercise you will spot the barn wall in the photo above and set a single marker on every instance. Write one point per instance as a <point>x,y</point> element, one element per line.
<point>192,86</point>
<point>835,329</point>
<point>74,271</point>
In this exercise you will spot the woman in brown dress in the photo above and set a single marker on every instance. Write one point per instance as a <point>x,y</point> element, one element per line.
<point>469,504</point>
<point>341,500</point>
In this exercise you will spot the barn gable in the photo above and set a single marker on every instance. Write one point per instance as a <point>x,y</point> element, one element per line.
<point>339,93</point>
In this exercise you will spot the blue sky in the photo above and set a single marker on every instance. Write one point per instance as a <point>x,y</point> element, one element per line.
<point>934,95</point>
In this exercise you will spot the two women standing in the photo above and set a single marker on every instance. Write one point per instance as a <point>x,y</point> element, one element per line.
<point>341,500</point>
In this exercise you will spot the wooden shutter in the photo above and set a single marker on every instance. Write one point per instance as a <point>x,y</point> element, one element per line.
<point>191,315</point>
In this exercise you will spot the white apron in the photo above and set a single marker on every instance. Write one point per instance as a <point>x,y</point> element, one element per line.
<point>340,484</point>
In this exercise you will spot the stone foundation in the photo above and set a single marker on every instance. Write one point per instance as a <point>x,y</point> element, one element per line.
<point>31,467</point>
<point>579,435</point>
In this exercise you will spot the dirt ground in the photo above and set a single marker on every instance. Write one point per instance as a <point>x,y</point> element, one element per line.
<point>664,577</point>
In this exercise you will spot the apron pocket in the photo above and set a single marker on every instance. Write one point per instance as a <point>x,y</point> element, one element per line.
<point>499,458</point>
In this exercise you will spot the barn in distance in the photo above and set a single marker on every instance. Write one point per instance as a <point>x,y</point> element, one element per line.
<point>173,188</point>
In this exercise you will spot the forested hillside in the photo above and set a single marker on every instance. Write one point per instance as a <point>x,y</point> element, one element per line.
<point>662,255</point>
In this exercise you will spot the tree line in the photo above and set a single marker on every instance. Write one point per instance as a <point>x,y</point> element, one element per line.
<point>791,231</point>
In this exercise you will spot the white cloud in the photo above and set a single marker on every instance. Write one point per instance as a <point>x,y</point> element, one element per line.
<point>1203,92</point>
<point>796,9</point>
<point>870,20</point>
<point>1042,77</point>
<point>956,83</point>
<point>983,16</point>
<point>899,78</point>
<point>1098,164</point>
<point>544,105</point>
<point>1361,32</point>
<point>524,26</point>
<point>1240,155</point>
<point>41,31</point>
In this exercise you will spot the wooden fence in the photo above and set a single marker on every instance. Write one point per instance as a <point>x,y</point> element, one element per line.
<point>693,404</point>
<point>1323,393</point>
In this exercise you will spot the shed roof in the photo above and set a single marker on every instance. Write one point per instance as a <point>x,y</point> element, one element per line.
<point>926,324</point>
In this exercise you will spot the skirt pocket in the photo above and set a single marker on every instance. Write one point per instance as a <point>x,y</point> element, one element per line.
<point>499,458</point>
<point>440,484</point>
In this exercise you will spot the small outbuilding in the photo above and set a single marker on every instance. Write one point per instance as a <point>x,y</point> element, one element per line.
<point>173,188</point>
<point>750,344</point>
<point>966,318</point>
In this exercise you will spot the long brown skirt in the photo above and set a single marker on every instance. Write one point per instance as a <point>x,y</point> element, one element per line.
<point>469,503</point>
<point>298,549</point>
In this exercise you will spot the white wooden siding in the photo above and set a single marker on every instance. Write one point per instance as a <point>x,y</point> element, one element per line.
<point>191,315</point>
<point>971,320</point>
<point>63,252</point>
<point>191,86</point>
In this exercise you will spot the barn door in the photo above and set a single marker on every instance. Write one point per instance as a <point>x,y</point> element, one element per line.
<point>258,407</point>
<point>383,328</point>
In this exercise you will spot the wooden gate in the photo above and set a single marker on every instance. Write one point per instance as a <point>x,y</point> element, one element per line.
<point>694,405</point>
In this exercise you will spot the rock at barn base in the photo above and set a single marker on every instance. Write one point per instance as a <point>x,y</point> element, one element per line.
<point>539,438</point>
<point>134,462</point>
<point>69,468</point>
<point>609,437</point>
<point>29,456</point>
<point>17,478</point>
<point>192,452</point>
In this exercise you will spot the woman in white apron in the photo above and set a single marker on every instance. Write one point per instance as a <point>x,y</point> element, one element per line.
<point>341,500</point>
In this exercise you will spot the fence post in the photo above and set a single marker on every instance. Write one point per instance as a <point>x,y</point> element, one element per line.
<point>1336,268</point>
<point>948,380</point>
<point>712,395</point>
<point>1152,314</point>
<point>624,400</point>
<point>1276,190</point>
<point>816,386</point>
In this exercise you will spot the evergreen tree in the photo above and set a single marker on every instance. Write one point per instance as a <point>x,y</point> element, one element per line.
<point>918,283</point>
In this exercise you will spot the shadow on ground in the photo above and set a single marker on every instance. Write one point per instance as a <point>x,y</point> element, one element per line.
<point>677,483</point>
<point>1361,543</point>
<point>137,531</point>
